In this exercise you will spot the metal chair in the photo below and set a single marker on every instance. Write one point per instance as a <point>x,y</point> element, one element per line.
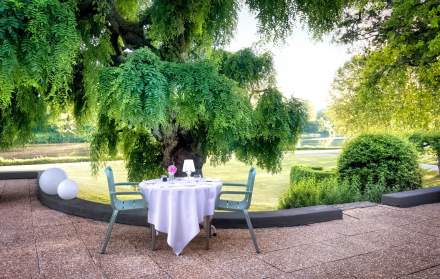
<point>241,205</point>
<point>118,204</point>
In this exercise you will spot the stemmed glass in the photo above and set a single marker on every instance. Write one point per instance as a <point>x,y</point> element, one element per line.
<point>188,167</point>
<point>198,175</point>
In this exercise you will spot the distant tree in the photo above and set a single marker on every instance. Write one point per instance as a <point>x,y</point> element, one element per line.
<point>322,125</point>
<point>326,126</point>
<point>394,83</point>
<point>311,127</point>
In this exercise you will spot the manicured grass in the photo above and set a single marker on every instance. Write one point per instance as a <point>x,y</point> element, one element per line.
<point>46,151</point>
<point>431,178</point>
<point>428,159</point>
<point>268,187</point>
<point>43,160</point>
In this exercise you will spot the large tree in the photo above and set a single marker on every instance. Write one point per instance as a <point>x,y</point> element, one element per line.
<point>394,81</point>
<point>152,77</point>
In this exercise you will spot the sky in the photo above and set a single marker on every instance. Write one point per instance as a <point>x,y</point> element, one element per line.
<point>305,68</point>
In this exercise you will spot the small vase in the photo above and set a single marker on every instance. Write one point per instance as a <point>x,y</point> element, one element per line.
<point>171,176</point>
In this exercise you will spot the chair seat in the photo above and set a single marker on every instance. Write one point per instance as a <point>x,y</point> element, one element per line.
<point>230,205</point>
<point>130,204</point>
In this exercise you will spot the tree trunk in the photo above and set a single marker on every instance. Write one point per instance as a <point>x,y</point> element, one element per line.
<point>183,147</point>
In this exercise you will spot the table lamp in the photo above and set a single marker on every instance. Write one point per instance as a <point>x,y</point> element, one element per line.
<point>188,167</point>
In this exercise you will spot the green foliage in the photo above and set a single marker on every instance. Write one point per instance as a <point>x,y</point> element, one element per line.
<point>148,70</point>
<point>380,162</point>
<point>334,191</point>
<point>394,84</point>
<point>181,27</point>
<point>312,127</point>
<point>298,173</point>
<point>128,9</point>
<point>375,189</point>
<point>276,18</point>
<point>38,47</point>
<point>143,157</point>
<point>250,70</point>
<point>25,112</point>
<point>309,191</point>
<point>56,137</point>
<point>136,92</point>
<point>39,43</point>
<point>304,193</point>
<point>427,142</point>
<point>424,140</point>
<point>277,125</point>
<point>322,125</point>
<point>145,95</point>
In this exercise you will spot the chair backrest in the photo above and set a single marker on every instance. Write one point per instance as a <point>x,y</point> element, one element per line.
<point>111,184</point>
<point>250,186</point>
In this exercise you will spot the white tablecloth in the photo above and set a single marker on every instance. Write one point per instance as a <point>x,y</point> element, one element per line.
<point>177,208</point>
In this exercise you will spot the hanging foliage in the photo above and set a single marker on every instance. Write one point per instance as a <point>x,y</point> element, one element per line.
<point>179,109</point>
<point>152,77</point>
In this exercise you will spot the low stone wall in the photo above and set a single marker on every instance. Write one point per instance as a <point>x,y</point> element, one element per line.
<point>412,198</point>
<point>278,218</point>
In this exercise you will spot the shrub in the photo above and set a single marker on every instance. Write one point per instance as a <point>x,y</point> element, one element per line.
<point>309,191</point>
<point>298,173</point>
<point>303,193</point>
<point>375,190</point>
<point>380,162</point>
<point>334,191</point>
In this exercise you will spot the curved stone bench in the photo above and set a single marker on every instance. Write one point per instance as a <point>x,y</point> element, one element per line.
<point>265,219</point>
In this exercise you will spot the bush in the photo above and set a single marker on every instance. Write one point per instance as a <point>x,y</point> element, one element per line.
<point>334,191</point>
<point>298,173</point>
<point>374,190</point>
<point>303,193</point>
<point>381,163</point>
<point>309,191</point>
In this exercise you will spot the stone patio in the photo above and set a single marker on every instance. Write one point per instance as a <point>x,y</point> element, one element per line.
<point>372,242</point>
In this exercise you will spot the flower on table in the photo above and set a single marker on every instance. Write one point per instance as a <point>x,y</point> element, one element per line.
<point>172,169</point>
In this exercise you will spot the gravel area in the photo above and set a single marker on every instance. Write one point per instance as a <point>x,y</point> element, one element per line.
<point>371,242</point>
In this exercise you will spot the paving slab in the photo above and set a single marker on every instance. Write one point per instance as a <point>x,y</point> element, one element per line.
<point>433,272</point>
<point>374,241</point>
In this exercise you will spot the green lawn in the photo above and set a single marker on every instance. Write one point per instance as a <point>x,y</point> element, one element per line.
<point>268,187</point>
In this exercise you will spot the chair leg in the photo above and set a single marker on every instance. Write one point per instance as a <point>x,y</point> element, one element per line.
<point>109,231</point>
<point>251,230</point>
<point>153,237</point>
<point>213,230</point>
<point>207,226</point>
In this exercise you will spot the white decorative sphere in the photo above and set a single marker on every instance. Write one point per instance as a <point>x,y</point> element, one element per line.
<point>50,179</point>
<point>67,189</point>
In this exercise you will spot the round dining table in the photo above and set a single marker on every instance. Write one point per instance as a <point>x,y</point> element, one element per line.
<point>178,207</point>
